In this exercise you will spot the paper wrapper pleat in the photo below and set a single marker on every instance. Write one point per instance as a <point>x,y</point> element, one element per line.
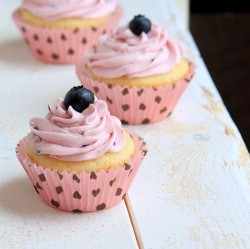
<point>62,46</point>
<point>85,192</point>
<point>136,105</point>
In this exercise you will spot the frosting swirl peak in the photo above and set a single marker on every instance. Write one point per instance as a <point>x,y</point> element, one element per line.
<point>69,135</point>
<point>124,54</point>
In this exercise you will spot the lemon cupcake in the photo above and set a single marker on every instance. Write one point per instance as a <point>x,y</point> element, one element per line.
<point>139,70</point>
<point>79,158</point>
<point>59,31</point>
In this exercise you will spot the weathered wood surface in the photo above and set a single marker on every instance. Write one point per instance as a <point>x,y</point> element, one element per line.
<point>27,86</point>
<point>192,190</point>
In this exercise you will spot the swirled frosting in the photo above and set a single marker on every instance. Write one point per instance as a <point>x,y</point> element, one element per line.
<point>124,54</point>
<point>52,10</point>
<point>69,135</point>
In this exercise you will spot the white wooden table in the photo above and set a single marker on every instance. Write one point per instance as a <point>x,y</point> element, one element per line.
<point>192,191</point>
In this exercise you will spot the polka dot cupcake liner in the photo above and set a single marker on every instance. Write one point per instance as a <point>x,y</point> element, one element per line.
<point>137,105</point>
<point>62,46</point>
<point>85,192</point>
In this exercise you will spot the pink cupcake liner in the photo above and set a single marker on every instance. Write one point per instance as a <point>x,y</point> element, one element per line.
<point>62,46</point>
<point>85,192</point>
<point>136,105</point>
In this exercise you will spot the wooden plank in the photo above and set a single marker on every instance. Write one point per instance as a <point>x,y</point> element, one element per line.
<point>27,87</point>
<point>183,7</point>
<point>193,189</point>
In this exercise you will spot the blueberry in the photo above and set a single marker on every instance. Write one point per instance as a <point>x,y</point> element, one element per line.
<point>79,98</point>
<point>140,24</point>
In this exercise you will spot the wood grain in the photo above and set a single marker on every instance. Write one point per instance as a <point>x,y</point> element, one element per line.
<point>133,221</point>
<point>193,188</point>
<point>27,87</point>
<point>192,191</point>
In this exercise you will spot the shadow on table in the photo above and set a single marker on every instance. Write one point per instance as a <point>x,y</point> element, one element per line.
<point>18,197</point>
<point>16,53</point>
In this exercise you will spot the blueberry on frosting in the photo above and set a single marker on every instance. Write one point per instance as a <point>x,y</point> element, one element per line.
<point>79,98</point>
<point>140,24</point>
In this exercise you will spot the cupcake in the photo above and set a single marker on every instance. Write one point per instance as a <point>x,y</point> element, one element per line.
<point>59,31</point>
<point>139,70</point>
<point>79,158</point>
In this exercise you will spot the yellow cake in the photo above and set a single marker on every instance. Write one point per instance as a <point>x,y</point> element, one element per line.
<point>104,162</point>
<point>68,23</point>
<point>177,73</point>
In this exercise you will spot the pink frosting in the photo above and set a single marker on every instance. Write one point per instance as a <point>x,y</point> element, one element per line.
<point>69,135</point>
<point>51,10</point>
<point>124,54</point>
